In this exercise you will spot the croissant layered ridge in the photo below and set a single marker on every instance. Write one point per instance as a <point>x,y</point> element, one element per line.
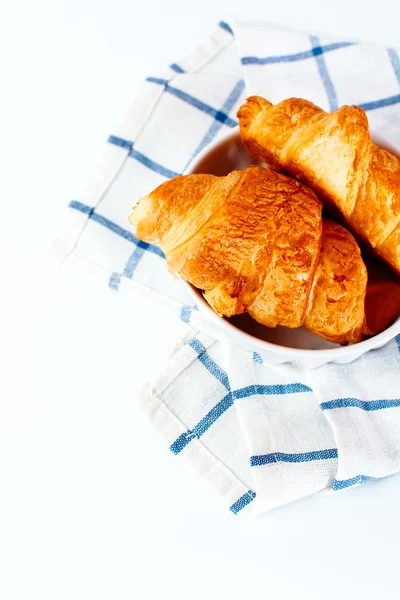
<point>334,155</point>
<point>254,241</point>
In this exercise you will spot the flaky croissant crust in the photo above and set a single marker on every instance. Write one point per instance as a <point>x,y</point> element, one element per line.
<point>334,155</point>
<point>255,242</point>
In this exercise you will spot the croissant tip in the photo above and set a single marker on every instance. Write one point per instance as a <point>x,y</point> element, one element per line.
<point>253,104</point>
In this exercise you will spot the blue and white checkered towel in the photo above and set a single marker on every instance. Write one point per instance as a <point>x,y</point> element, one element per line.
<point>261,436</point>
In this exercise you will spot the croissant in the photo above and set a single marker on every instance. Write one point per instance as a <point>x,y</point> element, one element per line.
<point>334,155</point>
<point>255,242</point>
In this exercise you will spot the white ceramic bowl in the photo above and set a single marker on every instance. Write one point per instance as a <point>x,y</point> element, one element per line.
<point>278,345</point>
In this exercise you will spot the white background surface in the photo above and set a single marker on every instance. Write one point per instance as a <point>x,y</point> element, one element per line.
<point>79,466</point>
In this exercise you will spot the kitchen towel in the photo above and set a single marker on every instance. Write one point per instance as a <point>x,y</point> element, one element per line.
<point>262,436</point>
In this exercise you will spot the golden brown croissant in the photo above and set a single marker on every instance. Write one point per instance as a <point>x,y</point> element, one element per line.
<point>334,155</point>
<point>255,242</point>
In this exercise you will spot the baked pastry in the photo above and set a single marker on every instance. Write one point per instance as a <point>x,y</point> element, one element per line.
<point>336,304</point>
<point>334,155</point>
<point>255,241</point>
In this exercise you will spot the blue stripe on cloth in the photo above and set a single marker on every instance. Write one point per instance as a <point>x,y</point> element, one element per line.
<point>217,411</point>
<point>225,26</point>
<point>257,358</point>
<point>127,235</point>
<point>133,261</point>
<point>117,141</point>
<point>397,338</point>
<point>342,484</point>
<point>186,313</point>
<point>242,502</point>
<point>381,103</point>
<point>114,281</point>
<point>83,208</point>
<point>227,401</point>
<point>216,125</point>
<point>395,60</point>
<point>157,80</point>
<point>144,160</point>
<point>267,390</point>
<point>176,68</point>
<point>131,265</point>
<point>269,60</point>
<point>150,164</point>
<point>323,71</point>
<point>209,363</point>
<point>280,457</point>
<point>206,108</point>
<point>183,440</point>
<point>368,405</point>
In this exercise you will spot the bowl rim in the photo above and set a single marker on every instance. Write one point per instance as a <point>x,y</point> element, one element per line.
<point>242,336</point>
